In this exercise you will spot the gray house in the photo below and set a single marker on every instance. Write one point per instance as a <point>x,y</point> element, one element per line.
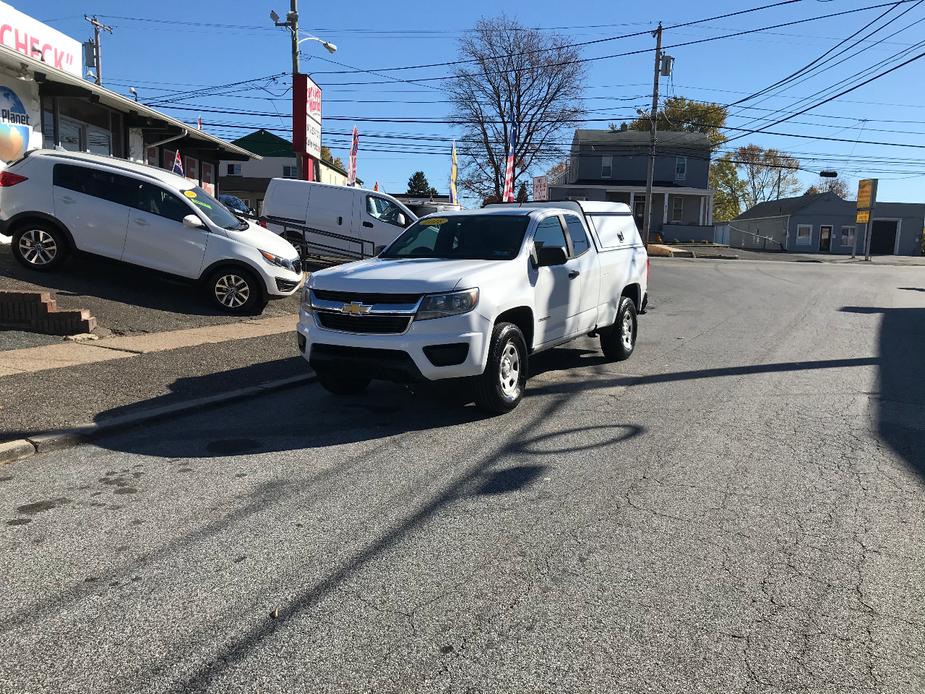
<point>824,223</point>
<point>612,165</point>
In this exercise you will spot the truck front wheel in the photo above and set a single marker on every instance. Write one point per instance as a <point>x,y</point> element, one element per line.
<point>501,387</point>
<point>619,340</point>
<point>339,384</point>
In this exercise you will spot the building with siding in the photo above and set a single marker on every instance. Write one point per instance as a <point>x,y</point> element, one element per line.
<point>249,180</point>
<point>612,166</point>
<point>825,223</point>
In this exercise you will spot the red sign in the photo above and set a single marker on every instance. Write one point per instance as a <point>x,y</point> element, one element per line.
<point>306,116</point>
<point>30,37</point>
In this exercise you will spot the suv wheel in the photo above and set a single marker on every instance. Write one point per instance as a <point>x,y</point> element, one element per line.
<point>39,246</point>
<point>236,291</point>
<point>340,384</point>
<point>501,387</point>
<point>619,340</point>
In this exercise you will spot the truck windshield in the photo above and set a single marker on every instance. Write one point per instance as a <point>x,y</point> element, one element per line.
<point>470,237</point>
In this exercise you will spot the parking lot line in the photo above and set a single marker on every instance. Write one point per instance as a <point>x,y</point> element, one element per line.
<point>33,359</point>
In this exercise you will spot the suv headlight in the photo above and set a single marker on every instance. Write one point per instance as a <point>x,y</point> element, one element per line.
<point>441,305</point>
<point>279,261</point>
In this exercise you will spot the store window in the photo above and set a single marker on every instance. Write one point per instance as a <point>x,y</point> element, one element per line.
<point>290,171</point>
<point>191,168</point>
<point>804,234</point>
<point>606,167</point>
<point>83,126</point>
<point>233,170</point>
<point>847,236</point>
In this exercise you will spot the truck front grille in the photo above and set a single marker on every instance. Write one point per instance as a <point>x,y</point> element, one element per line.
<point>378,325</point>
<point>365,298</point>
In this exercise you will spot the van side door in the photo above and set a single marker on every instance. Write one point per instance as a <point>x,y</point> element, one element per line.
<point>330,220</point>
<point>380,220</point>
<point>157,237</point>
<point>92,204</point>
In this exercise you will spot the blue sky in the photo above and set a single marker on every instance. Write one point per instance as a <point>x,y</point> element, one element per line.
<point>168,47</point>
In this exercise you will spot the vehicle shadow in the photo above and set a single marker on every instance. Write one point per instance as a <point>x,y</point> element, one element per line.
<point>86,276</point>
<point>901,405</point>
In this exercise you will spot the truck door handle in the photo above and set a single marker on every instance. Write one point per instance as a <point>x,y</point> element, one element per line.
<point>573,274</point>
<point>141,222</point>
<point>68,200</point>
<point>340,220</point>
<point>368,225</point>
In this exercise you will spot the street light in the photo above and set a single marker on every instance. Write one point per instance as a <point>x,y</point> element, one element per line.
<point>331,48</point>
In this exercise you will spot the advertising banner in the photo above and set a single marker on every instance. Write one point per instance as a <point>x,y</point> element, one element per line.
<point>30,37</point>
<point>306,116</point>
<point>540,188</point>
<point>19,118</point>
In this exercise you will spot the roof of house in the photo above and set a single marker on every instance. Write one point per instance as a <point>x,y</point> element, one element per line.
<point>786,206</point>
<point>639,137</point>
<point>266,144</point>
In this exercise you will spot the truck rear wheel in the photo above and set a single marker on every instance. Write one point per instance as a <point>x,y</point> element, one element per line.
<point>501,387</point>
<point>619,340</point>
<point>339,384</point>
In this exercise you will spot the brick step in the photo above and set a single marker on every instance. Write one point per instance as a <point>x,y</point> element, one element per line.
<point>38,312</point>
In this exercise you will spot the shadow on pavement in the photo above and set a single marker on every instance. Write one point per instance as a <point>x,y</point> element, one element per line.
<point>112,281</point>
<point>901,407</point>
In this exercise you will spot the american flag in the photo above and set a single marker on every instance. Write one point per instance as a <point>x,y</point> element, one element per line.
<point>454,170</point>
<point>177,164</point>
<point>508,194</point>
<point>352,168</point>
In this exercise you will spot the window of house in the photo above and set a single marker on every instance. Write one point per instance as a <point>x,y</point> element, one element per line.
<point>677,209</point>
<point>606,166</point>
<point>290,171</point>
<point>804,233</point>
<point>847,236</point>
<point>233,170</point>
<point>680,168</point>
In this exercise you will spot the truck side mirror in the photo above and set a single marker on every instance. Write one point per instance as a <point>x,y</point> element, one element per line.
<point>547,256</point>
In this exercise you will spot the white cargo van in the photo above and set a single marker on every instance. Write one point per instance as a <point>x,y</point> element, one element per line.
<point>323,220</point>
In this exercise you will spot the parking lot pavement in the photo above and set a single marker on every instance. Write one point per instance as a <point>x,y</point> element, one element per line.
<point>124,300</point>
<point>737,508</point>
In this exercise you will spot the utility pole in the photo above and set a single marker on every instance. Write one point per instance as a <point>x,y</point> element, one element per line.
<point>293,20</point>
<point>653,128</point>
<point>98,26</point>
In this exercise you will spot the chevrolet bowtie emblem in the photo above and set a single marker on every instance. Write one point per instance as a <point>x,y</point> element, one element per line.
<point>355,308</point>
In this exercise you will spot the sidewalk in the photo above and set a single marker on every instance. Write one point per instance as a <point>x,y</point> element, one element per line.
<point>70,384</point>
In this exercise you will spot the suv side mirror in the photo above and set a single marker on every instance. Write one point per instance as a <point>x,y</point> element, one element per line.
<point>191,221</point>
<point>547,256</point>
<point>401,220</point>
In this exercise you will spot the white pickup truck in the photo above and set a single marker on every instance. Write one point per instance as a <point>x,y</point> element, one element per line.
<point>474,294</point>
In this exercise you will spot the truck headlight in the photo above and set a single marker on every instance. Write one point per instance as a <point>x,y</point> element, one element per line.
<point>279,261</point>
<point>441,305</point>
<point>307,300</point>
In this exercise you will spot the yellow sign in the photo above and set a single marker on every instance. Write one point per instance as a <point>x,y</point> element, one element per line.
<point>190,193</point>
<point>433,221</point>
<point>866,188</point>
<point>863,217</point>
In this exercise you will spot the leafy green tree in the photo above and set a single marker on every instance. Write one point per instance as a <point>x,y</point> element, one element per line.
<point>727,189</point>
<point>680,114</point>
<point>327,156</point>
<point>419,186</point>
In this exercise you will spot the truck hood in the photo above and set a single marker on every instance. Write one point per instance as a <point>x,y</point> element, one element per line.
<point>402,276</point>
<point>263,240</point>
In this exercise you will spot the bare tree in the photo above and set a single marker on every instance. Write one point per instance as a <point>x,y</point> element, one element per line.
<point>830,185</point>
<point>767,174</point>
<point>519,76</point>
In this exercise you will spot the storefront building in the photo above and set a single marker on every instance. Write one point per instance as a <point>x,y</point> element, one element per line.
<point>46,103</point>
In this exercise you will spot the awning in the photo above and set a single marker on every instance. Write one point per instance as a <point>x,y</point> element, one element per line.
<point>57,82</point>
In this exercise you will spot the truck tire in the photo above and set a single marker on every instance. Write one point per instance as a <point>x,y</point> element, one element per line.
<point>339,384</point>
<point>619,340</point>
<point>39,246</point>
<point>501,387</point>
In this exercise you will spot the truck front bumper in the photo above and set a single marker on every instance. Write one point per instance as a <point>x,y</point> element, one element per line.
<point>451,347</point>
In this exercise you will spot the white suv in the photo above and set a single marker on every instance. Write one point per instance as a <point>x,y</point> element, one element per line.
<point>54,203</point>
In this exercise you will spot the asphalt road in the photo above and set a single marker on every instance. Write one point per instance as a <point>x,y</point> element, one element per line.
<point>737,508</point>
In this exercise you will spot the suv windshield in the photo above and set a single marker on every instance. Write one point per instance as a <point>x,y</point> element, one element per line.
<point>213,209</point>
<point>475,237</point>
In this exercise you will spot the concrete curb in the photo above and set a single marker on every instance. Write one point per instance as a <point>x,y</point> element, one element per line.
<point>20,449</point>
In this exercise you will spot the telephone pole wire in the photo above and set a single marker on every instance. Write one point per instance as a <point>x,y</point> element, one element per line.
<point>653,128</point>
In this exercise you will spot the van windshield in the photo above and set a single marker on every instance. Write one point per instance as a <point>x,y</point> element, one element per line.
<point>217,213</point>
<point>470,237</point>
